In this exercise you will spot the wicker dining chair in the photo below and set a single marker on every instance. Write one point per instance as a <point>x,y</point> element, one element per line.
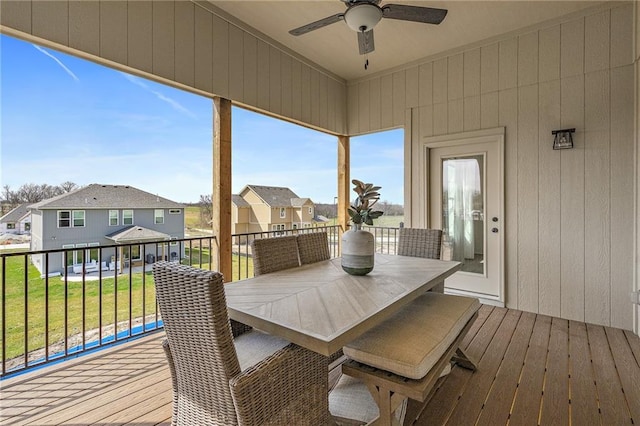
<point>274,254</point>
<point>418,242</point>
<point>255,379</point>
<point>313,247</point>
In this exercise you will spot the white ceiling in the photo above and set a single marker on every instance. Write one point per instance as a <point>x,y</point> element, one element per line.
<point>335,47</point>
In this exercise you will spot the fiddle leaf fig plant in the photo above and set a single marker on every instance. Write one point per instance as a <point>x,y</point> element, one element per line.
<point>361,210</point>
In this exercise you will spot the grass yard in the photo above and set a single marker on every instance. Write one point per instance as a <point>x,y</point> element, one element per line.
<point>100,300</point>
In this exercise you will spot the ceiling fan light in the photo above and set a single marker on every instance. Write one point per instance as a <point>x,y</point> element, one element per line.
<point>363,17</point>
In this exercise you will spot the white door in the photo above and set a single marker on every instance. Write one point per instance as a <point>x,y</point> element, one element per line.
<point>466,202</point>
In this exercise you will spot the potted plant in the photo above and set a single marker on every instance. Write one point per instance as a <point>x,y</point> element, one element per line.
<point>361,211</point>
<point>358,246</point>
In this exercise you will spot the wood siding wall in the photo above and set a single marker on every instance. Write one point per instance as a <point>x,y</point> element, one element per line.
<point>569,214</point>
<point>185,42</point>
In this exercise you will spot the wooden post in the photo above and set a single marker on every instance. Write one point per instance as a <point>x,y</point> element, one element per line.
<point>221,199</point>
<point>344,181</point>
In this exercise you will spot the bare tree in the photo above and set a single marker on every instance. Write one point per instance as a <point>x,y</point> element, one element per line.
<point>68,186</point>
<point>33,193</point>
<point>206,209</point>
<point>30,193</point>
<point>7,193</point>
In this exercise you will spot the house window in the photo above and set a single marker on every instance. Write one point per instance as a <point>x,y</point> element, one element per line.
<point>70,255</point>
<point>79,255</point>
<point>278,227</point>
<point>78,218</point>
<point>64,219</point>
<point>158,216</point>
<point>11,226</point>
<point>283,212</point>
<point>113,217</point>
<point>311,211</point>
<point>94,253</point>
<point>174,241</point>
<point>134,255</point>
<point>175,211</point>
<point>127,217</point>
<point>27,226</point>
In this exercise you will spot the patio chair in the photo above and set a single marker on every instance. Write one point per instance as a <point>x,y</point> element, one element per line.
<point>254,379</point>
<point>313,247</point>
<point>419,242</point>
<point>274,254</point>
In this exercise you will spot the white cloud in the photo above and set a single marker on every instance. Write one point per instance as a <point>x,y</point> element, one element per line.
<point>58,61</point>
<point>174,104</point>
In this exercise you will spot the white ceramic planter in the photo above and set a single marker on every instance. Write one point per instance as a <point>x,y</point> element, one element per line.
<point>358,250</point>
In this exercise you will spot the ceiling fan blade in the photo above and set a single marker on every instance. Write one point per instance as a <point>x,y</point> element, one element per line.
<point>427,15</point>
<point>365,42</point>
<point>317,24</point>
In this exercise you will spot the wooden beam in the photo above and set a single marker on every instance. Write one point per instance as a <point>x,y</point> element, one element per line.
<point>344,181</point>
<point>221,200</point>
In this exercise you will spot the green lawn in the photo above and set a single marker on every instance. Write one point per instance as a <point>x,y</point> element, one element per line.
<point>139,288</point>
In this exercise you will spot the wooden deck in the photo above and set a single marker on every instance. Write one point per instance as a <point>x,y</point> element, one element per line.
<point>533,369</point>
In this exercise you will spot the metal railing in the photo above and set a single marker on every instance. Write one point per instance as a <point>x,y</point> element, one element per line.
<point>241,248</point>
<point>386,238</point>
<point>53,309</point>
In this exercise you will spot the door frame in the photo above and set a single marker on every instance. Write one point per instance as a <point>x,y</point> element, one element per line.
<point>494,135</point>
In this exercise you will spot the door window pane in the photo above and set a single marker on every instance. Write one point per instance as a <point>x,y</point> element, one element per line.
<point>463,211</point>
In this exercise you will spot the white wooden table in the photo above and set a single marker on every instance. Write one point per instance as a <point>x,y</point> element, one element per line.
<point>320,307</point>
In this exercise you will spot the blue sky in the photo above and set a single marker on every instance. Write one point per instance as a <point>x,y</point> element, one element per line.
<point>63,118</point>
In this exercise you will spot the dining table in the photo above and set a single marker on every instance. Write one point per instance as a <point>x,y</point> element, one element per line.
<point>321,307</point>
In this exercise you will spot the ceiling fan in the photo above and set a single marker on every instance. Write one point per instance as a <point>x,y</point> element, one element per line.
<point>362,15</point>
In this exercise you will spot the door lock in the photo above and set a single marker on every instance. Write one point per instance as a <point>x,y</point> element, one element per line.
<point>494,230</point>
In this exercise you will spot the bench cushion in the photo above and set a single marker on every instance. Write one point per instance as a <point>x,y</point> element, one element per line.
<point>412,341</point>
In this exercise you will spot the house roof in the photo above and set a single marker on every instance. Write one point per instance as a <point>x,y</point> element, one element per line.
<point>239,201</point>
<point>273,196</point>
<point>98,196</point>
<point>135,233</point>
<point>299,202</point>
<point>16,214</point>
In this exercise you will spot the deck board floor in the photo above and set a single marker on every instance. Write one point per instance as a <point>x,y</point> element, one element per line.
<point>532,369</point>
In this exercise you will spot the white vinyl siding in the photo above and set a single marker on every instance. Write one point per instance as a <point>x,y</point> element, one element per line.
<point>568,215</point>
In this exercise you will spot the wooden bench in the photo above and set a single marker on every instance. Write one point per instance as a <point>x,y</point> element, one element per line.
<point>404,356</point>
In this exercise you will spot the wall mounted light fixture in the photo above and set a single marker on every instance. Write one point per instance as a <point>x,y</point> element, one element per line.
<point>563,139</point>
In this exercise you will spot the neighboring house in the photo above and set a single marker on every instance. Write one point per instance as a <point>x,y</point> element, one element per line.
<point>101,215</point>
<point>17,221</point>
<point>270,208</point>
